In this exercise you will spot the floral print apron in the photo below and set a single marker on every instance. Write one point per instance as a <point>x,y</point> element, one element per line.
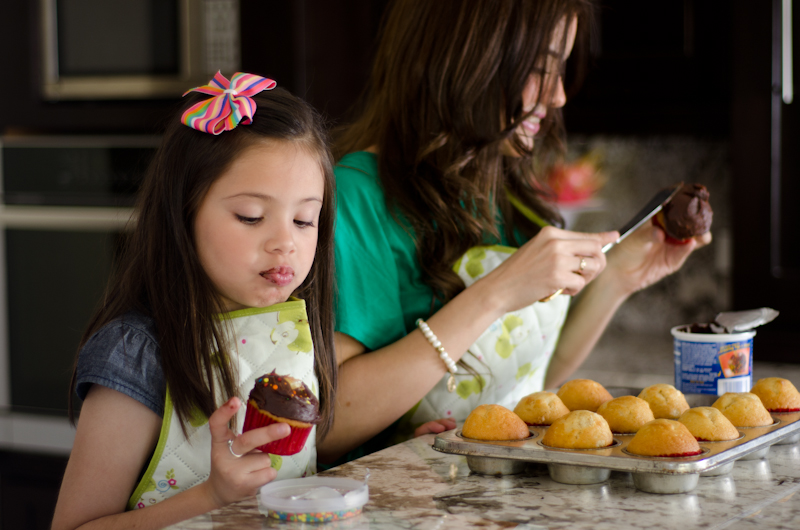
<point>510,357</point>
<point>277,338</point>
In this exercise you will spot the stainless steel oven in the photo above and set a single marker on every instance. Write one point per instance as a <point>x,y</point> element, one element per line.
<point>66,202</point>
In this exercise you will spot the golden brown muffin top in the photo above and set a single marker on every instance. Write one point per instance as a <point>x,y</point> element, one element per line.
<point>540,408</point>
<point>495,423</point>
<point>777,394</point>
<point>708,424</point>
<point>665,401</point>
<point>580,429</point>
<point>743,409</point>
<point>663,437</point>
<point>626,414</point>
<point>583,394</point>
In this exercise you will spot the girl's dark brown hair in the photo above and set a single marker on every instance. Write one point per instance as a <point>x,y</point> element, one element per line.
<point>160,273</point>
<point>443,102</point>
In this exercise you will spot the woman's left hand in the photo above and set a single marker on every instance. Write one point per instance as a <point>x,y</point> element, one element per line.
<point>645,257</point>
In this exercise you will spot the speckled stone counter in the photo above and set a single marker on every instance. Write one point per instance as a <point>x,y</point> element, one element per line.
<point>413,486</point>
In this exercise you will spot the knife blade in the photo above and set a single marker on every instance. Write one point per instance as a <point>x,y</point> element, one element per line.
<point>650,209</point>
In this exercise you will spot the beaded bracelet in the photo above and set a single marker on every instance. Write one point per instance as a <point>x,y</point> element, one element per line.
<point>437,344</point>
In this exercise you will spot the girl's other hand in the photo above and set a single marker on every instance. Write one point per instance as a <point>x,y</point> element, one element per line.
<point>645,257</point>
<point>234,478</point>
<point>435,427</point>
<point>554,259</point>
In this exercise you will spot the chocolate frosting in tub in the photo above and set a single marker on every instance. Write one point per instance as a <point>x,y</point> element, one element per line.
<point>285,397</point>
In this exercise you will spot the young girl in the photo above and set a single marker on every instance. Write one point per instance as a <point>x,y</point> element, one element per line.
<point>234,220</point>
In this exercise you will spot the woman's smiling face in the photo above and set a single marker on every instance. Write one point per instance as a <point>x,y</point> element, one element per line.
<point>256,229</point>
<point>545,89</point>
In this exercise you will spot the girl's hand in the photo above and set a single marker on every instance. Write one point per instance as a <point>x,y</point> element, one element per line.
<point>234,478</point>
<point>550,261</point>
<point>435,427</point>
<point>644,258</point>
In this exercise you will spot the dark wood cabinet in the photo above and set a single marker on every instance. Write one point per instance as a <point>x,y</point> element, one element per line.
<point>29,485</point>
<point>765,137</point>
<point>661,67</point>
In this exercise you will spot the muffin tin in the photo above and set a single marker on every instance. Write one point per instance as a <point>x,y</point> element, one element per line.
<point>650,474</point>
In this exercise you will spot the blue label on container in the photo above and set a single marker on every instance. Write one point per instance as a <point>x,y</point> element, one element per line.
<point>713,367</point>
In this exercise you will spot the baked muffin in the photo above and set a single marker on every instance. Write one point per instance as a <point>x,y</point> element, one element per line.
<point>664,437</point>
<point>777,394</point>
<point>665,401</point>
<point>540,408</point>
<point>583,394</point>
<point>743,409</point>
<point>686,215</point>
<point>282,399</point>
<point>708,424</point>
<point>580,429</point>
<point>494,423</point>
<point>626,414</point>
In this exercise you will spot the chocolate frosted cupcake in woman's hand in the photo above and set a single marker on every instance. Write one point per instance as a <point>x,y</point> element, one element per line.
<point>686,215</point>
<point>282,399</point>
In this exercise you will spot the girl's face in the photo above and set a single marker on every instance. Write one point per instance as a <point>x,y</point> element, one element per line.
<point>256,229</point>
<point>545,90</point>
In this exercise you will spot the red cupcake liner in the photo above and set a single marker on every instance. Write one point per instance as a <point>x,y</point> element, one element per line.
<point>291,445</point>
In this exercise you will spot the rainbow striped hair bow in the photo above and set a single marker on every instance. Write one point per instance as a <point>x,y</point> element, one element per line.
<point>231,105</point>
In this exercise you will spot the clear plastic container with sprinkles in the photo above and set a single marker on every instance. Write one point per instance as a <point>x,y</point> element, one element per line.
<point>313,499</point>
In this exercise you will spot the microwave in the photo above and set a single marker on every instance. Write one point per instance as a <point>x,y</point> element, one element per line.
<point>64,214</point>
<point>135,49</point>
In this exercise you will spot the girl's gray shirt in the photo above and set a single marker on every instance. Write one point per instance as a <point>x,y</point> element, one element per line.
<point>124,355</point>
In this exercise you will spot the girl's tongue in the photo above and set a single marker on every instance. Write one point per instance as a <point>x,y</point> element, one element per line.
<point>279,275</point>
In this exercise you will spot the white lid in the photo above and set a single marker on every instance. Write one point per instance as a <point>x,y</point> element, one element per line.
<point>710,337</point>
<point>284,495</point>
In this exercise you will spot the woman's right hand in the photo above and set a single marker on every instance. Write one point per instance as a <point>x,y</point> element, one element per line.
<point>234,478</point>
<point>549,262</point>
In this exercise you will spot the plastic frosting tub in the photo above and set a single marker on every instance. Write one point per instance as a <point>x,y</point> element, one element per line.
<point>313,499</point>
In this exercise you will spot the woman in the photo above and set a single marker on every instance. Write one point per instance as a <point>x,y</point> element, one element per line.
<point>461,115</point>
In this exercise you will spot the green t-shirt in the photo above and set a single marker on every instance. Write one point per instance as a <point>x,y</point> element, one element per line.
<point>379,281</point>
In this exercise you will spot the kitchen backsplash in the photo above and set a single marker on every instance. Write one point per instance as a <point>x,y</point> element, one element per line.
<point>635,169</point>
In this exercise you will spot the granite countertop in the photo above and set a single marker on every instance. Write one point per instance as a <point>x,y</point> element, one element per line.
<point>413,486</point>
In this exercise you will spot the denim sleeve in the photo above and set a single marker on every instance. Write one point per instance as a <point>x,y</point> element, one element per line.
<point>124,356</point>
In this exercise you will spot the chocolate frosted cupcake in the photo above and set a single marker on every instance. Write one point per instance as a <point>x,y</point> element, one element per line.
<point>687,214</point>
<point>282,399</point>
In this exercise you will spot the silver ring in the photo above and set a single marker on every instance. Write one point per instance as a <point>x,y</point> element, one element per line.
<point>582,265</point>
<point>230,448</point>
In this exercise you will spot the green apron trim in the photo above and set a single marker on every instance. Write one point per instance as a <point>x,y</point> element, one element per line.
<point>483,248</point>
<point>524,210</point>
<point>147,478</point>
<point>292,303</point>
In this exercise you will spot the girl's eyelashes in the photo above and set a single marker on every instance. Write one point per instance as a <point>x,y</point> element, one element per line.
<point>248,220</point>
<point>255,220</point>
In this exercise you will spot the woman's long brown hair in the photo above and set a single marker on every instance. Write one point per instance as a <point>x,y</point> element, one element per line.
<point>160,274</point>
<point>442,105</point>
